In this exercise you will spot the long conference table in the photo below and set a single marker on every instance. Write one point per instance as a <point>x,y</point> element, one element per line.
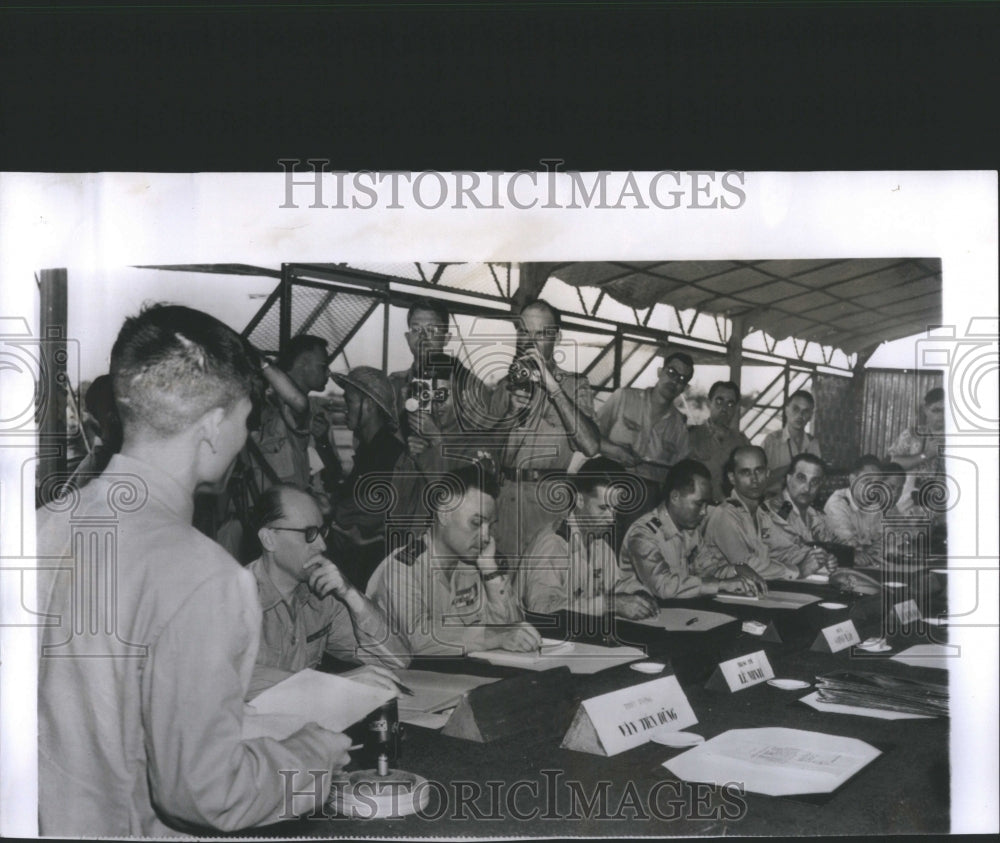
<point>525,785</point>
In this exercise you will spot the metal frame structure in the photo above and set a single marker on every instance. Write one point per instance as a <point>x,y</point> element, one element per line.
<point>625,342</point>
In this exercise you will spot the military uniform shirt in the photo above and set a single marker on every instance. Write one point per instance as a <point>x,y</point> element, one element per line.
<point>790,532</point>
<point>438,612</point>
<point>734,537</point>
<point>658,557</point>
<point>295,633</point>
<point>565,568</point>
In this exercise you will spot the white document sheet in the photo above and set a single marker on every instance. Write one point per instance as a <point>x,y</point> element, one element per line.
<point>334,702</point>
<point>775,761</point>
<point>686,620</point>
<point>813,701</point>
<point>578,657</point>
<point>928,655</point>
<point>771,600</point>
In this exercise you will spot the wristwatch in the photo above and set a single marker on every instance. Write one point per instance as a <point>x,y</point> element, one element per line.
<point>492,575</point>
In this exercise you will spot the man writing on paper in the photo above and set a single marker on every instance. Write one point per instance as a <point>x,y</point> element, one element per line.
<point>572,565</point>
<point>309,607</point>
<point>660,547</point>
<point>797,528</point>
<point>140,708</point>
<point>737,531</point>
<point>446,593</point>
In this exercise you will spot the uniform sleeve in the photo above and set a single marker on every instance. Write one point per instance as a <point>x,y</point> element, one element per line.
<point>608,413</point>
<point>842,523</point>
<point>906,445</point>
<point>785,547</point>
<point>543,575</point>
<point>583,395</point>
<point>661,576</point>
<point>366,639</point>
<point>194,681</point>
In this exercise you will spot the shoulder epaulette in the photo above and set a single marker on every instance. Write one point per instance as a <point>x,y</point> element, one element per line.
<point>411,551</point>
<point>784,510</point>
<point>563,530</point>
<point>654,524</point>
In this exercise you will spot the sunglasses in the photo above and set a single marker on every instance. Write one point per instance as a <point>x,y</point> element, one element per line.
<point>311,532</point>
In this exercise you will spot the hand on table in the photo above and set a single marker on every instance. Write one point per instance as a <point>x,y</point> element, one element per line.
<point>635,607</point>
<point>518,638</point>
<point>754,582</point>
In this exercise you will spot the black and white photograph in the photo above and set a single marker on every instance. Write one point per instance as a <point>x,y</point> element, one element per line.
<point>463,504</point>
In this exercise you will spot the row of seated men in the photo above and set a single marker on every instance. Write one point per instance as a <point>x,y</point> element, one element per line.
<point>140,702</point>
<point>447,593</point>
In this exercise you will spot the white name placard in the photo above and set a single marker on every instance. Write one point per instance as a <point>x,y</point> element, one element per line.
<point>838,637</point>
<point>614,722</point>
<point>746,671</point>
<point>907,611</point>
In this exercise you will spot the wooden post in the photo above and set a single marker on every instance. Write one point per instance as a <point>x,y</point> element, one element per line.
<point>51,395</point>
<point>734,356</point>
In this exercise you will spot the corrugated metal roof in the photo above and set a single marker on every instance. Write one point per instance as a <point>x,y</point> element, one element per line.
<point>851,304</point>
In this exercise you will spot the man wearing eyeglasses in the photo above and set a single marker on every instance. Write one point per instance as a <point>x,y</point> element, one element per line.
<point>713,441</point>
<point>547,415</point>
<point>309,607</point>
<point>644,431</point>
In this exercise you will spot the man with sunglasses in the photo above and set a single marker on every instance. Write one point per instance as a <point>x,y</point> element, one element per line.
<point>644,431</point>
<point>547,414</point>
<point>309,607</point>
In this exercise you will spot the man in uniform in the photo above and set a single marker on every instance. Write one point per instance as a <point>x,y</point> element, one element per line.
<point>643,430</point>
<point>572,565</point>
<point>661,546</point>
<point>547,414</point>
<point>309,607</point>
<point>737,531</point>
<point>781,446</point>
<point>797,529</point>
<point>855,515</point>
<point>445,593</point>
<point>140,703</point>
<point>713,441</point>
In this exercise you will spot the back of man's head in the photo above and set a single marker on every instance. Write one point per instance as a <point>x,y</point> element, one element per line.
<point>171,364</point>
<point>680,478</point>
<point>297,346</point>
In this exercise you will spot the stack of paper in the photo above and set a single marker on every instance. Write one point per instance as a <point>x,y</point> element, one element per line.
<point>873,690</point>
<point>333,702</point>
<point>775,761</point>
<point>772,600</point>
<point>680,619</point>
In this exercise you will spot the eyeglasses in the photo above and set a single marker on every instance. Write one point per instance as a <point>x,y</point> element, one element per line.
<point>676,376</point>
<point>550,332</point>
<point>311,532</point>
<point>429,330</point>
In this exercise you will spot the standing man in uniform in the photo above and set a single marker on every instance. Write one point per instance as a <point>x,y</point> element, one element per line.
<point>547,414</point>
<point>572,565</point>
<point>737,531</point>
<point>445,593</point>
<point>781,446</point>
<point>140,705</point>
<point>644,431</point>
<point>660,547</point>
<point>713,441</point>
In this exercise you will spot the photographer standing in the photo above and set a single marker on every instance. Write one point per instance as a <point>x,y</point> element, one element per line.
<point>548,415</point>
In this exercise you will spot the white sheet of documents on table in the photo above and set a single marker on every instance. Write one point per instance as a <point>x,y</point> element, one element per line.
<point>775,761</point>
<point>771,600</point>
<point>577,656</point>
<point>680,619</point>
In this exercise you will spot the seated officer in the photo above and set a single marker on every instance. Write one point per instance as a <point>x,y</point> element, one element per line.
<point>659,547</point>
<point>572,565</point>
<point>854,515</point>
<point>737,531</point>
<point>797,528</point>
<point>445,593</point>
<point>309,607</point>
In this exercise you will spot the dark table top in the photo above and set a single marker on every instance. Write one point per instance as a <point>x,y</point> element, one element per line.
<point>526,785</point>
